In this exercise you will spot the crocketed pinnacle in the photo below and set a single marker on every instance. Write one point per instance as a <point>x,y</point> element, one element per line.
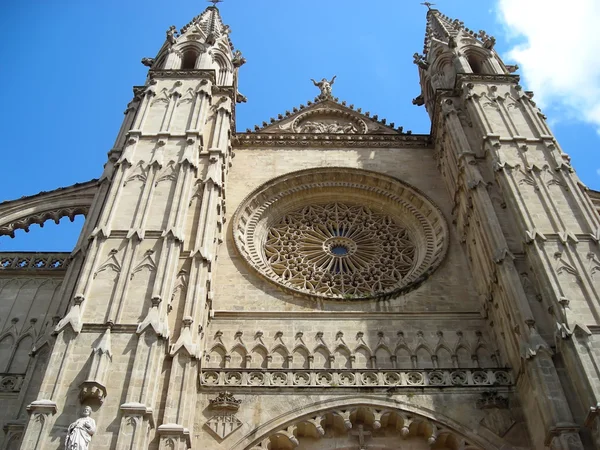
<point>210,23</point>
<point>443,28</point>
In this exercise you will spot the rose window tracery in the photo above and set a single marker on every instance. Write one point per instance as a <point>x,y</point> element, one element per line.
<point>340,234</point>
<point>339,249</point>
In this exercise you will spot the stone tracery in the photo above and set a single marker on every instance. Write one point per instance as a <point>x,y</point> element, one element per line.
<point>340,249</point>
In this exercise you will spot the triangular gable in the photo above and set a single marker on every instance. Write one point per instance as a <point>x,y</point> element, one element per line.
<point>327,116</point>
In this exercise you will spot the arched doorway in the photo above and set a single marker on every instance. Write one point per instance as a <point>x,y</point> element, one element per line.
<point>372,424</point>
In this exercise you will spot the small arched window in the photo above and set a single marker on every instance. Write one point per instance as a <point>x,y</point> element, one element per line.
<point>189,59</point>
<point>475,63</point>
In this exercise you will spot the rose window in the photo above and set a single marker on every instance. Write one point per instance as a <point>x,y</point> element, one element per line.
<point>339,249</point>
<point>340,234</point>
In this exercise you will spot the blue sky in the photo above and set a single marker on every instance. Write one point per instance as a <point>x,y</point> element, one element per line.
<point>68,68</point>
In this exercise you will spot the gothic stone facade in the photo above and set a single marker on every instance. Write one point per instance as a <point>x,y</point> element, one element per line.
<point>337,284</point>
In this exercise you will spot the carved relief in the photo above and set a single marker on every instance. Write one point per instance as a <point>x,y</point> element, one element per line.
<point>328,121</point>
<point>224,422</point>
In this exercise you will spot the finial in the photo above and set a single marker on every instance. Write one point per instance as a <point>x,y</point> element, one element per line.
<point>429,5</point>
<point>214,2</point>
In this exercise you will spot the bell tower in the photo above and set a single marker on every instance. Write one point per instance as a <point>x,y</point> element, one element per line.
<point>138,291</point>
<point>527,225</point>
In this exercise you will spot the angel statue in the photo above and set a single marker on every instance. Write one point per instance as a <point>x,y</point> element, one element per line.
<point>80,432</point>
<point>325,86</point>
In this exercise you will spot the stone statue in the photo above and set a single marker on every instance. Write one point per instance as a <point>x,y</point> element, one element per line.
<point>171,32</point>
<point>325,86</point>
<point>81,431</point>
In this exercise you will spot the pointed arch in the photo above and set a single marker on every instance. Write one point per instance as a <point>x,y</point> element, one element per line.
<point>259,357</point>
<point>239,356</point>
<point>463,357</point>
<point>321,357</point>
<point>404,357</point>
<point>7,343</point>
<point>300,357</point>
<point>20,357</point>
<point>424,354</point>
<point>278,357</point>
<point>217,356</point>
<point>383,357</point>
<point>343,357</point>
<point>444,356</point>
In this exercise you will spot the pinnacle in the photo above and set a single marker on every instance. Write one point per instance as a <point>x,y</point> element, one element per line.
<point>442,27</point>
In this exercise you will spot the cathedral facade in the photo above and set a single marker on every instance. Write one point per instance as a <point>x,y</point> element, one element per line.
<point>323,281</point>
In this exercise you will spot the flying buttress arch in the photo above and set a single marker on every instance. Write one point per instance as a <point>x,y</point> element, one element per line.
<point>53,205</point>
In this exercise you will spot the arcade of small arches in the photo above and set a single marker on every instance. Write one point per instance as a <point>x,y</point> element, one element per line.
<point>364,427</point>
<point>420,355</point>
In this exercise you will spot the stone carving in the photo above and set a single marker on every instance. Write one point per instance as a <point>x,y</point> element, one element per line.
<point>80,432</point>
<point>366,265</point>
<point>361,426</point>
<point>225,400</point>
<point>238,59</point>
<point>224,422</point>
<point>489,400</point>
<point>329,128</point>
<point>11,383</point>
<point>350,378</point>
<point>338,249</point>
<point>325,86</point>
<point>172,34</point>
<point>148,62</point>
<point>222,425</point>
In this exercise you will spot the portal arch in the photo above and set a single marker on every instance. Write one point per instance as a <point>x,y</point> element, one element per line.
<point>362,418</point>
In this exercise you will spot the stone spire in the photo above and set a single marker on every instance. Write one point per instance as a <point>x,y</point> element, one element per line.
<point>445,29</point>
<point>211,25</point>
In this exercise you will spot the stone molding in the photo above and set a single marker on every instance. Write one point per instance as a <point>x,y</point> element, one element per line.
<point>208,74</point>
<point>397,379</point>
<point>26,261</point>
<point>267,204</point>
<point>331,140</point>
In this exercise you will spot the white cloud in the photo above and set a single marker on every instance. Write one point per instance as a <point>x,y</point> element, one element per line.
<point>558,54</point>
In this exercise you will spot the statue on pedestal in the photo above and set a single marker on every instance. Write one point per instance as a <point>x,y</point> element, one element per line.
<point>81,431</point>
<point>325,86</point>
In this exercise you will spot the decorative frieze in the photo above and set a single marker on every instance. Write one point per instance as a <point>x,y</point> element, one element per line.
<point>331,140</point>
<point>405,379</point>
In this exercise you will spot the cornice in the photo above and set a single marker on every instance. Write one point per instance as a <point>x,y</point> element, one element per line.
<point>484,78</point>
<point>208,74</point>
<point>345,315</point>
<point>248,140</point>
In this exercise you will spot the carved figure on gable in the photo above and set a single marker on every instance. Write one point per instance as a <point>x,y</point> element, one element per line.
<point>325,86</point>
<point>171,34</point>
<point>80,432</point>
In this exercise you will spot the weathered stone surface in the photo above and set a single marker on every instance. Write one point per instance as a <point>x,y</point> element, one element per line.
<point>469,321</point>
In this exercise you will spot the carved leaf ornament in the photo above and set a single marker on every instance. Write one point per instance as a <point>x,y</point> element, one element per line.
<point>342,234</point>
